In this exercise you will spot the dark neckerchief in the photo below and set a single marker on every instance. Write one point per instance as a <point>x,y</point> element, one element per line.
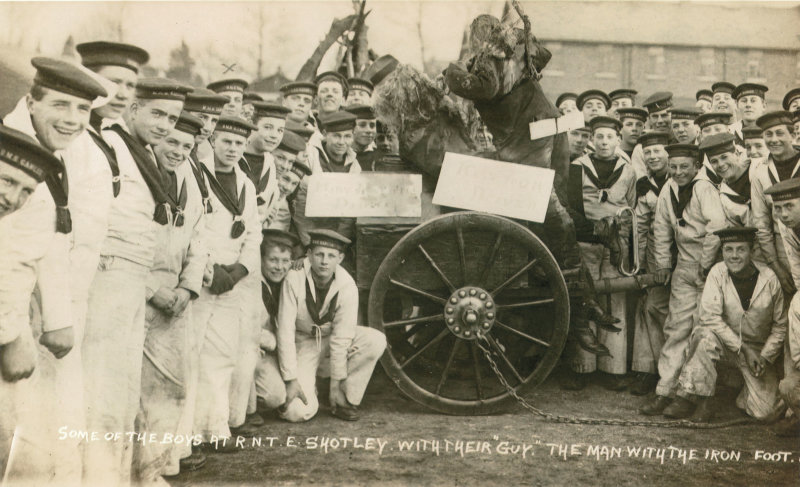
<point>745,283</point>
<point>95,121</point>
<point>602,181</point>
<point>178,199</point>
<point>270,294</point>
<point>314,307</point>
<point>111,157</point>
<point>785,169</point>
<point>152,177</point>
<point>715,178</point>
<point>253,171</point>
<point>200,177</point>
<point>59,190</point>
<point>680,202</point>
<point>236,208</point>
<point>742,189</point>
<point>645,185</point>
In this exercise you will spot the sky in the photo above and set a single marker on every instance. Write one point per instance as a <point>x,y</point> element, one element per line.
<point>227,32</point>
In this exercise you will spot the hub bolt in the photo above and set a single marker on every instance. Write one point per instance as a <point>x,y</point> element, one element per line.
<point>467,333</point>
<point>482,296</point>
<point>472,292</point>
<point>490,315</point>
<point>471,317</point>
<point>450,321</point>
<point>486,326</point>
<point>454,300</point>
<point>462,293</point>
<point>457,329</point>
<point>489,304</point>
<point>449,310</point>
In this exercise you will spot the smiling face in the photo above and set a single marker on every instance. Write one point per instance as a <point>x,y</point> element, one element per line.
<point>756,148</point>
<point>152,120</point>
<point>283,160</point>
<point>737,255</point>
<point>337,143</point>
<point>15,187</point>
<point>751,107</point>
<point>125,79</point>
<point>593,107</point>
<point>58,118</point>
<point>330,96</point>
<point>727,165</point>
<point>269,134</point>
<point>723,102</point>
<point>655,158</point>
<point>683,169</point>
<point>357,96</point>
<point>288,182</point>
<point>605,141</point>
<point>788,212</point>
<point>300,106</point>
<point>685,131</point>
<point>276,262</point>
<point>228,149</point>
<point>779,139</point>
<point>174,149</point>
<point>660,120</point>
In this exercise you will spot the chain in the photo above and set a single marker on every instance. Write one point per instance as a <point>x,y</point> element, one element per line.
<point>554,418</point>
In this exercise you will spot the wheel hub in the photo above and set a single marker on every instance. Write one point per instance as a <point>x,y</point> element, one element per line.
<point>469,311</point>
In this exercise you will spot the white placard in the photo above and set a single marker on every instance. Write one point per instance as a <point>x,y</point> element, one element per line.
<point>552,126</point>
<point>502,188</point>
<point>364,195</point>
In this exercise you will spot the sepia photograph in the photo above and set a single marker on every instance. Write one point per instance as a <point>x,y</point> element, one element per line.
<point>399,243</point>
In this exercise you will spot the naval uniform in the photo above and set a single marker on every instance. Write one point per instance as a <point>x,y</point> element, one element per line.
<point>736,311</point>
<point>687,217</point>
<point>789,387</point>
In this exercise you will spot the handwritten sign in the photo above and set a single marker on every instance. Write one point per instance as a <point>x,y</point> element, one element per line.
<point>502,188</point>
<point>364,195</point>
<point>552,126</point>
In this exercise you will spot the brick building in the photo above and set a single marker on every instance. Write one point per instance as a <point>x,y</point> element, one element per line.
<point>681,47</point>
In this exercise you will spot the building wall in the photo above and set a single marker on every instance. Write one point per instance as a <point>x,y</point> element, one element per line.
<point>579,66</point>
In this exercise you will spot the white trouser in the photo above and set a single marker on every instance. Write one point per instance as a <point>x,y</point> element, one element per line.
<point>362,355</point>
<point>789,387</point>
<point>222,318</point>
<point>247,356</point>
<point>648,335</point>
<point>684,310</point>
<point>52,398</point>
<point>759,396</point>
<point>164,373</point>
<point>196,335</point>
<point>598,262</point>
<point>112,366</point>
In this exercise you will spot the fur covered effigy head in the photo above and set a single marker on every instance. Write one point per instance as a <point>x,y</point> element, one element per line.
<point>489,36</point>
<point>428,121</point>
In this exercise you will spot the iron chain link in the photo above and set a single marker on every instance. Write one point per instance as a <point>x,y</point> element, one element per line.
<point>555,418</point>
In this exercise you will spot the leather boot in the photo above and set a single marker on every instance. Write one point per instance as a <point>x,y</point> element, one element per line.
<point>655,406</point>
<point>585,337</point>
<point>643,384</point>
<point>593,310</point>
<point>681,408</point>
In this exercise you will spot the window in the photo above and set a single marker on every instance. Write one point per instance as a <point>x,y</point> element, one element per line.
<point>707,64</point>
<point>553,68</point>
<point>605,55</point>
<point>657,66</point>
<point>755,66</point>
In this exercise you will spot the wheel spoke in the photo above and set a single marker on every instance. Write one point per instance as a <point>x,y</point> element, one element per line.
<point>411,331</point>
<point>522,334</point>
<point>478,385</point>
<point>492,257</point>
<point>447,367</point>
<point>525,304</point>
<point>422,350</point>
<point>412,321</point>
<point>462,257</point>
<point>436,268</point>
<point>412,289</point>
<point>500,352</point>
<point>513,278</point>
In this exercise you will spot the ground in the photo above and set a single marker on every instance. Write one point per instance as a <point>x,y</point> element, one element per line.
<point>589,455</point>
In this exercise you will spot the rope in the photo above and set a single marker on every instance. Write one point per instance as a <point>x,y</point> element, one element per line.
<point>554,418</point>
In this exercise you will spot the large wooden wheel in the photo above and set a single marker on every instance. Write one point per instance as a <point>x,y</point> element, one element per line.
<point>456,277</point>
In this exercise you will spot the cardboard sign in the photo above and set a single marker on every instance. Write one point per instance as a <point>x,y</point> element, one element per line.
<point>502,188</point>
<point>552,126</point>
<point>364,194</point>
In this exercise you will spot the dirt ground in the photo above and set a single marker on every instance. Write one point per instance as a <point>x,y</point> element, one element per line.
<point>489,449</point>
